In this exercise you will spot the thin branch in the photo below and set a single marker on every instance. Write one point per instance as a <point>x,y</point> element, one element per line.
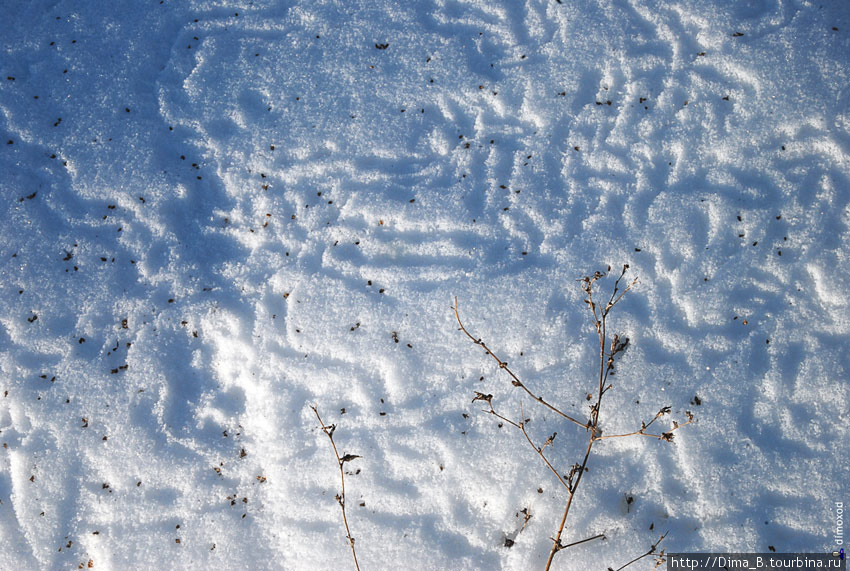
<point>647,554</point>
<point>521,427</point>
<point>636,433</point>
<point>601,324</point>
<point>499,416</point>
<point>612,302</point>
<point>556,541</point>
<point>504,365</point>
<point>599,313</point>
<point>543,456</point>
<point>597,536</point>
<point>528,516</point>
<point>340,498</point>
<point>668,436</point>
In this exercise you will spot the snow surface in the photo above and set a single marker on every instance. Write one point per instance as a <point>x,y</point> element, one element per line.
<point>216,213</point>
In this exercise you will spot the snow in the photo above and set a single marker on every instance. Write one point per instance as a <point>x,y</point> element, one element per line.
<point>218,213</point>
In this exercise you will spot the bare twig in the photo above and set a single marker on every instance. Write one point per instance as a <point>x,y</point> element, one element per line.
<point>556,541</point>
<point>585,540</point>
<point>528,516</point>
<point>521,427</point>
<point>340,498</point>
<point>668,436</point>
<point>540,449</point>
<point>600,318</point>
<point>648,553</point>
<point>504,365</point>
<point>607,354</point>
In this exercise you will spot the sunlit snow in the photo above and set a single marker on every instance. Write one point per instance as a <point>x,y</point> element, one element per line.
<point>215,214</point>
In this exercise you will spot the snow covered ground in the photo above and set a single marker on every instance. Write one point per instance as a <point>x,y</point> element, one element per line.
<point>216,213</point>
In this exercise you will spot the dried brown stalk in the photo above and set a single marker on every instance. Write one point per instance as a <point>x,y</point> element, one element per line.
<point>504,365</point>
<point>340,498</point>
<point>616,346</point>
<point>659,560</point>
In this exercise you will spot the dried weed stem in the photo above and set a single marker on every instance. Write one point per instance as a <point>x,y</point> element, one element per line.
<point>600,313</point>
<point>340,498</point>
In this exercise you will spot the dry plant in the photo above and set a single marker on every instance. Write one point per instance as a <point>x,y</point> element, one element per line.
<point>340,497</point>
<point>609,350</point>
